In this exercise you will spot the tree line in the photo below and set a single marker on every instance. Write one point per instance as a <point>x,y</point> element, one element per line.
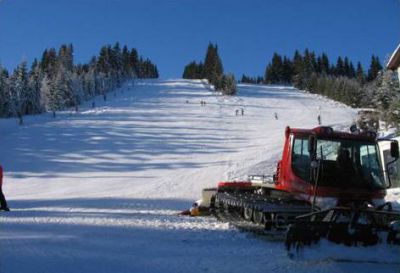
<point>285,70</point>
<point>54,82</point>
<point>252,80</point>
<point>212,70</point>
<point>342,81</point>
<point>293,70</point>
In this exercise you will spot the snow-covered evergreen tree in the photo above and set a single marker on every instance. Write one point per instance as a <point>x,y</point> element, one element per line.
<point>116,65</point>
<point>20,93</point>
<point>89,83</point>
<point>64,88</point>
<point>386,90</point>
<point>54,93</point>
<point>5,98</point>
<point>34,97</point>
<point>213,69</point>
<point>228,84</point>
<point>387,97</point>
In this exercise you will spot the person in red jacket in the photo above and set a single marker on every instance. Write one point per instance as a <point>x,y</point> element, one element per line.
<point>3,202</point>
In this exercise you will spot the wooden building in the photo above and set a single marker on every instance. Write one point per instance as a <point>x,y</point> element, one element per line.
<point>394,62</point>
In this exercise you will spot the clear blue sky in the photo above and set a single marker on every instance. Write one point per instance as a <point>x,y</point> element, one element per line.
<point>175,32</point>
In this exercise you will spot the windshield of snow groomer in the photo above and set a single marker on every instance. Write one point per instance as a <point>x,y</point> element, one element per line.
<point>343,163</point>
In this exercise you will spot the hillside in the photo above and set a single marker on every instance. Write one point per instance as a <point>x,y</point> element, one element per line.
<point>99,190</point>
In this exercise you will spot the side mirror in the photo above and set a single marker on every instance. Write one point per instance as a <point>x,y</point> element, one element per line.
<point>394,149</point>
<point>312,144</point>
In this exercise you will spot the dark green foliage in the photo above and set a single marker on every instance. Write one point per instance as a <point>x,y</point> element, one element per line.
<point>134,61</point>
<point>360,75</point>
<point>340,69</point>
<point>49,61</point>
<point>65,57</point>
<point>287,70</point>
<point>279,71</point>
<point>297,70</point>
<point>252,80</point>
<point>212,70</point>
<point>323,65</point>
<point>5,98</point>
<point>374,68</point>
<point>193,71</point>
<point>147,69</point>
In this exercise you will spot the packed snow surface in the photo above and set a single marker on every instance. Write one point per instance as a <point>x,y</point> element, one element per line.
<point>100,190</point>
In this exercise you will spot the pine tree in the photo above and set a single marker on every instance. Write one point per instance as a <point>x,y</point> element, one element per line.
<point>309,62</point>
<point>360,73</point>
<point>191,71</point>
<point>127,67</point>
<point>228,85</point>
<point>346,67</point>
<point>213,68</point>
<point>5,98</point>
<point>48,95</point>
<point>77,89</point>
<point>298,70</point>
<point>65,56</point>
<point>19,90</point>
<point>57,93</point>
<point>133,59</point>
<point>49,62</point>
<point>103,63</point>
<point>386,90</point>
<point>116,64</point>
<point>340,69</point>
<point>35,81</point>
<point>89,83</point>
<point>274,72</point>
<point>352,71</point>
<point>287,72</point>
<point>324,66</point>
<point>374,69</point>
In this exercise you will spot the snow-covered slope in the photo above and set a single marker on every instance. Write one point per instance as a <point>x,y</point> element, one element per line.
<point>99,191</point>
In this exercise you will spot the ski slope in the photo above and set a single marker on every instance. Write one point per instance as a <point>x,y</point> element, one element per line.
<point>99,190</point>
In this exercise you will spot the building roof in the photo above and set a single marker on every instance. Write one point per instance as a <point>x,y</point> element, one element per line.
<point>394,61</point>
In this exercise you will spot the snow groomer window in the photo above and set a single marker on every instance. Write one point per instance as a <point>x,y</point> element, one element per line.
<point>301,158</point>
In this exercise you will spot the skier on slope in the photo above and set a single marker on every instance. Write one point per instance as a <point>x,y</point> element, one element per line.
<point>3,202</point>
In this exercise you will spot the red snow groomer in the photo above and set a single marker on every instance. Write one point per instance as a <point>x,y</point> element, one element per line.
<point>328,184</point>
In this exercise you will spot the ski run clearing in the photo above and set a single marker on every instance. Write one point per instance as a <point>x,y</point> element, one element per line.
<point>99,190</point>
